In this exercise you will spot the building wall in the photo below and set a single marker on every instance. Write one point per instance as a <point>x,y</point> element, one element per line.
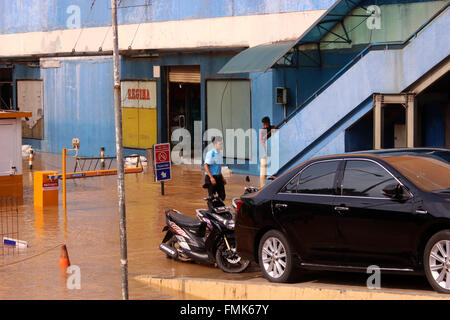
<point>49,15</point>
<point>210,64</point>
<point>50,26</point>
<point>79,103</point>
<point>447,125</point>
<point>399,20</point>
<point>222,32</point>
<point>78,99</point>
<point>389,71</point>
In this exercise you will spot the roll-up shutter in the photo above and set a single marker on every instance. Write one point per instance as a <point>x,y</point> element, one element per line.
<point>184,74</point>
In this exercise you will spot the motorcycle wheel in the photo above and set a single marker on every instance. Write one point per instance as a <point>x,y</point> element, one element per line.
<point>173,243</point>
<point>229,261</point>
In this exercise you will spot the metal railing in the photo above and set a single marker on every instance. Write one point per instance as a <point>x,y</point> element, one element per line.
<point>103,163</point>
<point>359,56</point>
<point>9,225</point>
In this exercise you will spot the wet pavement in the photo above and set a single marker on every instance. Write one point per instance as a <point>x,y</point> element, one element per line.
<point>90,229</point>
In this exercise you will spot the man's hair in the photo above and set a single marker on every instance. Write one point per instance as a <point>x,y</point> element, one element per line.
<point>266,120</point>
<point>216,139</point>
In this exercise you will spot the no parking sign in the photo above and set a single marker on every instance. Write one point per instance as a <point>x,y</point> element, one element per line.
<point>163,169</point>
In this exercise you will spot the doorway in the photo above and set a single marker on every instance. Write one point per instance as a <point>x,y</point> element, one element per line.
<point>434,114</point>
<point>6,89</point>
<point>184,100</point>
<point>394,126</point>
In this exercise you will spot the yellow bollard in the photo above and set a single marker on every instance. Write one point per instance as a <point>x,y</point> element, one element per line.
<point>64,152</point>
<point>45,190</point>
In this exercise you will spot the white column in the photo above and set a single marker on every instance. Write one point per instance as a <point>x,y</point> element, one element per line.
<point>377,121</point>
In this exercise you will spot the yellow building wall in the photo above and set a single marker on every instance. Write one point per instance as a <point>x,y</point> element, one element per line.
<point>130,127</point>
<point>147,128</point>
<point>139,123</point>
<point>139,127</point>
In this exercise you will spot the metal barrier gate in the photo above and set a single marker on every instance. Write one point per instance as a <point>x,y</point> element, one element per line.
<point>9,226</point>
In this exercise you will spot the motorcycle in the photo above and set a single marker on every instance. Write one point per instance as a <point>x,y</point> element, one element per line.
<point>236,202</point>
<point>208,239</point>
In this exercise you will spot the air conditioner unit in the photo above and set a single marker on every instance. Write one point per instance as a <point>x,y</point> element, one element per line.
<point>281,95</point>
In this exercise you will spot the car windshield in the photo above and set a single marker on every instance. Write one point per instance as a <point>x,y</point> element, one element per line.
<point>428,174</point>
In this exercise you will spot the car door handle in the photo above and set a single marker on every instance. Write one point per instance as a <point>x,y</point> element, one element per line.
<point>341,208</point>
<point>280,206</point>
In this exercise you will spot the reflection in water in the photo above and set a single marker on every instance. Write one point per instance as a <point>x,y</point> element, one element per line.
<point>90,229</point>
<point>45,219</point>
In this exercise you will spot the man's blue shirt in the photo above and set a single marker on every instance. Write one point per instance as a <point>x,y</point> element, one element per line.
<point>214,161</point>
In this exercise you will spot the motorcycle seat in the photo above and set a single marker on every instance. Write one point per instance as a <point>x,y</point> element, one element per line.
<point>185,221</point>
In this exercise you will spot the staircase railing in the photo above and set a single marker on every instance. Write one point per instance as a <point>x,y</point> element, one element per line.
<point>370,47</point>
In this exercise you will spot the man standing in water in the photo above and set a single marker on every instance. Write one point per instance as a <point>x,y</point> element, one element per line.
<point>214,180</point>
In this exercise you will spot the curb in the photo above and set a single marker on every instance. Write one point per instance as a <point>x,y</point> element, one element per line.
<point>259,290</point>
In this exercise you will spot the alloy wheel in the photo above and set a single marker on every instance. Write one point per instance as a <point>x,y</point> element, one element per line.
<point>439,261</point>
<point>274,257</point>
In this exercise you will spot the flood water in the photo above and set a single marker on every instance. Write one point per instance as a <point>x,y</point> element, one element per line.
<point>90,229</point>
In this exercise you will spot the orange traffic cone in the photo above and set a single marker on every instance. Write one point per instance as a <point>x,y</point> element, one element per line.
<point>64,261</point>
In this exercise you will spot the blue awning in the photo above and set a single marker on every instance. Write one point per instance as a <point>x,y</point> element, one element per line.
<point>263,57</point>
<point>257,59</point>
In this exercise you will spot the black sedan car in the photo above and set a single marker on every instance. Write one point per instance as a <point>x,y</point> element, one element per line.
<point>348,212</point>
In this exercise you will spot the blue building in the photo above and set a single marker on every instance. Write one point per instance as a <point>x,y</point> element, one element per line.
<point>355,74</point>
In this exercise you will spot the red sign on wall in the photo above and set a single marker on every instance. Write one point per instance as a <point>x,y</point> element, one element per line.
<point>138,94</point>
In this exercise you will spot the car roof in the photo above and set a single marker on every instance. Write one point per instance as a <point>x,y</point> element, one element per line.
<point>441,153</point>
<point>397,151</point>
<point>380,153</point>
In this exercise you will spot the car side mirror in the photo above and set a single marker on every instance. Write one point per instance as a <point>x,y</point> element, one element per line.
<point>396,191</point>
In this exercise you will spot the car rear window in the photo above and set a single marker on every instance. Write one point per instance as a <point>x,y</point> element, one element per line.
<point>364,178</point>
<point>427,174</point>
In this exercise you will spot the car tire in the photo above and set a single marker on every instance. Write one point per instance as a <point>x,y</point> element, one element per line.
<point>275,257</point>
<point>436,261</point>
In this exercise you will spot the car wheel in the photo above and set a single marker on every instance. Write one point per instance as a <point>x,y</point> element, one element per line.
<point>275,257</point>
<point>437,261</point>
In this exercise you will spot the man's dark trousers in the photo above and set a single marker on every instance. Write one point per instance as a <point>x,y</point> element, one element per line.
<point>219,187</point>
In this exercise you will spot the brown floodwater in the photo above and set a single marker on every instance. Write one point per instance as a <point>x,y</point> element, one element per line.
<point>90,229</point>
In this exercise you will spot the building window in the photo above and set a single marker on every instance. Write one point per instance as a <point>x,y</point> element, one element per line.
<point>229,107</point>
<point>30,99</point>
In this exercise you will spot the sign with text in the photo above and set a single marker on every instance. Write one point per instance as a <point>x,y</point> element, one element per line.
<point>50,185</point>
<point>163,169</point>
<point>139,94</point>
